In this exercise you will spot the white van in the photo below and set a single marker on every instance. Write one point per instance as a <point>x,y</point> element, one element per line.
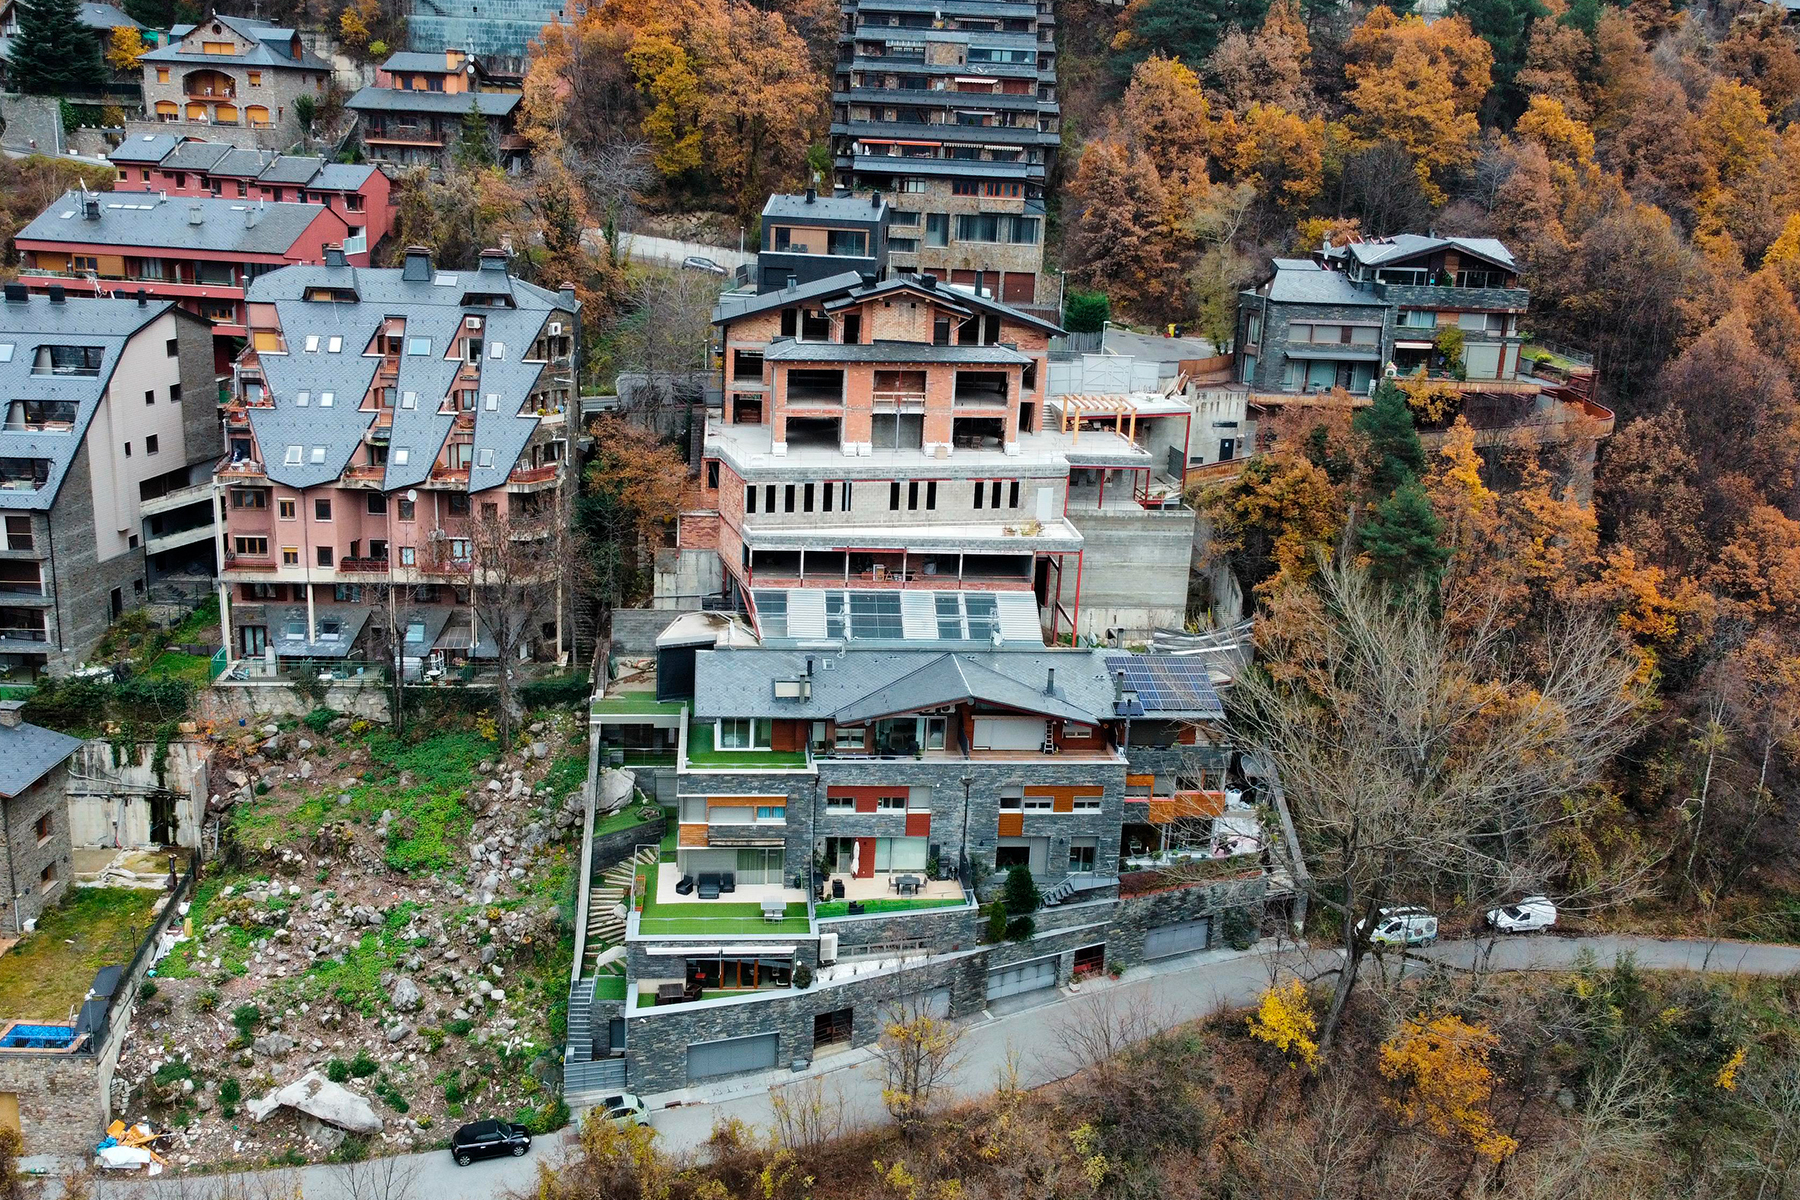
<point>1409,926</point>
<point>1527,916</point>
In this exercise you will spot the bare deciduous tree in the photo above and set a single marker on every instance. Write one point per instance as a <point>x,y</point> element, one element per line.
<point>518,566</point>
<point>807,1115</point>
<point>614,175</point>
<point>390,1177</point>
<point>920,1050</point>
<point>1423,759</point>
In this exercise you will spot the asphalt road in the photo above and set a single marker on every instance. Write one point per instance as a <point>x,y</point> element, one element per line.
<point>1033,1039</point>
<point>668,252</point>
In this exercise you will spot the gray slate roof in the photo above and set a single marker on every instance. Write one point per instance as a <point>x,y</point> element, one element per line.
<point>291,168</point>
<point>77,321</point>
<point>490,104</point>
<point>432,308</point>
<point>244,164</point>
<point>1408,245</point>
<point>847,287</point>
<point>786,207</point>
<point>1302,281</point>
<point>143,219</point>
<point>195,156</point>
<point>145,148</point>
<point>340,177</point>
<point>416,60</point>
<point>28,753</point>
<point>861,685</point>
<point>270,49</point>
<point>891,352</point>
<point>105,16</point>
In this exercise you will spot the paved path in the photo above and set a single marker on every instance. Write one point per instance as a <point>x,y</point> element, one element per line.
<point>1033,1038</point>
<point>668,252</point>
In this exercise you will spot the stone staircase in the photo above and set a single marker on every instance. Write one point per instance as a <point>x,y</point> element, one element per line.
<point>587,1077</point>
<point>606,898</point>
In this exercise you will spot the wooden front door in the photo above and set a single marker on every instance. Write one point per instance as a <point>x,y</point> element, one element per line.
<point>865,862</point>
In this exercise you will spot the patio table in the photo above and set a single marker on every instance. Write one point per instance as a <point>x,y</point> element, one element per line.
<point>773,908</point>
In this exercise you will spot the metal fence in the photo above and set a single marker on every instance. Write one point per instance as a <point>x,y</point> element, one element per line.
<point>98,1016</point>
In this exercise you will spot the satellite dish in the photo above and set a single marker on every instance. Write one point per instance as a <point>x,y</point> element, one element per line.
<point>412,494</point>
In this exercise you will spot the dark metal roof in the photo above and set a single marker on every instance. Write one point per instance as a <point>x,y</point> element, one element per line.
<point>130,219</point>
<point>892,352</point>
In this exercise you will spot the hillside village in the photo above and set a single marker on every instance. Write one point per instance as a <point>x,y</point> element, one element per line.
<point>995,597</point>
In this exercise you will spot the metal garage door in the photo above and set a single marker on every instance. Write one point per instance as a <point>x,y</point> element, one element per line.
<point>1024,977</point>
<point>731,1056</point>
<point>936,1002</point>
<point>1183,937</point>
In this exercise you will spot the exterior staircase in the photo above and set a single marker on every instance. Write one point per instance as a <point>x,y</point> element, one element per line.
<point>605,927</point>
<point>588,1077</point>
<point>585,1078</point>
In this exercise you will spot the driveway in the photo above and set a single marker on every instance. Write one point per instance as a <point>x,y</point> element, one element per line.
<point>668,252</point>
<point>1034,1040</point>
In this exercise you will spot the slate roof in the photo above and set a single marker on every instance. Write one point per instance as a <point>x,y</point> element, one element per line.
<point>195,156</point>
<point>433,308</point>
<point>1408,245</point>
<point>77,321</point>
<point>340,177</point>
<point>847,287</point>
<point>490,104</point>
<point>145,148</point>
<point>1302,281</point>
<point>352,616</point>
<point>418,60</point>
<point>860,685</point>
<point>143,219</point>
<point>28,753</point>
<point>291,168</point>
<point>786,207</point>
<point>886,352</point>
<point>244,164</point>
<point>105,16</point>
<point>270,48</point>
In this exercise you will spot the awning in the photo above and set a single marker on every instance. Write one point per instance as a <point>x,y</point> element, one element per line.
<point>1413,345</point>
<point>1339,354</point>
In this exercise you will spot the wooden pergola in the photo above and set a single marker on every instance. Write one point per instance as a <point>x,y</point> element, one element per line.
<point>1075,409</point>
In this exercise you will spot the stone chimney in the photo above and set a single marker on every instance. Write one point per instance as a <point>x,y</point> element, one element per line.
<point>9,714</point>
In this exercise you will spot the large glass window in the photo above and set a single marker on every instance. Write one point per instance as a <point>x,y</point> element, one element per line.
<point>759,864</point>
<point>744,733</point>
<point>901,854</point>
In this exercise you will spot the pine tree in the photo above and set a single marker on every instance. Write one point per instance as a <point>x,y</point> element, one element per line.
<point>1021,894</point>
<point>472,148</point>
<point>54,54</point>
<point>1395,453</point>
<point>1401,539</point>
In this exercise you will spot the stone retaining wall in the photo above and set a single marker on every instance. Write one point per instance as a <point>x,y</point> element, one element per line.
<point>617,846</point>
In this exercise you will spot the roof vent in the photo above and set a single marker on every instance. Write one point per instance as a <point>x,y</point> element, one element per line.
<point>57,294</point>
<point>812,194</point>
<point>143,298</point>
<point>90,208</point>
<point>196,215</point>
<point>417,266</point>
<point>928,282</point>
<point>793,281</point>
<point>1050,682</point>
<point>16,293</point>
<point>875,200</point>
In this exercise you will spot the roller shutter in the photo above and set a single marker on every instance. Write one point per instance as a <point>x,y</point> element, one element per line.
<point>1183,937</point>
<point>1022,977</point>
<point>732,1056</point>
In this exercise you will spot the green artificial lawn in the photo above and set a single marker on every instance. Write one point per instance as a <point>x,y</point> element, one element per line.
<point>702,754</point>
<point>841,908</point>
<point>172,664</point>
<point>609,987</point>
<point>49,971</point>
<point>706,917</point>
<point>625,818</point>
<point>635,704</point>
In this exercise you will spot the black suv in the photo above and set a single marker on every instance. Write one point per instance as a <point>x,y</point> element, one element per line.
<point>489,1139</point>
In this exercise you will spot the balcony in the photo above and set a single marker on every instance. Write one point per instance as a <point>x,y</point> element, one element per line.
<point>364,566</point>
<point>539,474</point>
<point>702,754</point>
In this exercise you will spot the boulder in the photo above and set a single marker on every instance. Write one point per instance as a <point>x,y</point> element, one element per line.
<point>399,1031</point>
<point>323,1100</point>
<point>273,1045</point>
<point>405,996</point>
<point>329,1137</point>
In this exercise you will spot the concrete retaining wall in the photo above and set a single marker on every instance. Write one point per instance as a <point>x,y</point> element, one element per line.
<point>110,791</point>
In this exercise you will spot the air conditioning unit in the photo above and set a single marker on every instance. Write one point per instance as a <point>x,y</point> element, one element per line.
<point>471,322</point>
<point>827,948</point>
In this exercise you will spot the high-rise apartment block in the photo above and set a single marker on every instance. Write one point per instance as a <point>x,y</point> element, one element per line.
<point>949,109</point>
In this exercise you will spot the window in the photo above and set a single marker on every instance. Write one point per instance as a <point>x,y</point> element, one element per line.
<point>318,455</point>
<point>347,593</point>
<point>174,393</point>
<point>127,449</point>
<point>150,396</point>
<point>1087,804</point>
<point>839,804</point>
<point>334,346</point>
<point>401,454</point>
<point>459,504</point>
<point>251,547</point>
<point>1082,853</point>
<point>459,549</point>
<point>321,510</point>
<point>743,733</point>
<point>324,555</point>
<point>249,498</point>
<point>497,350</point>
<point>418,346</point>
<point>47,877</point>
<point>771,812</point>
<point>407,556</point>
<point>406,510</point>
<point>255,78</point>
<point>890,804</point>
<point>1039,803</point>
<point>302,399</point>
<point>151,444</point>
<point>1008,857</point>
<point>290,556</point>
<point>409,400</point>
<point>326,399</point>
<point>312,343</point>
<point>1012,799</point>
<point>377,502</point>
<point>18,533</point>
<point>43,828</point>
<point>850,737</point>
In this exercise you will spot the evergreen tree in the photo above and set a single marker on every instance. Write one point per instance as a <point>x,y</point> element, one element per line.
<point>1021,895</point>
<point>1184,29</point>
<point>54,54</point>
<point>1506,27</point>
<point>472,147</point>
<point>1401,539</point>
<point>1394,450</point>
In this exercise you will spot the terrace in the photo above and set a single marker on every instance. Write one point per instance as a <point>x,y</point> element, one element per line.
<point>668,913</point>
<point>637,729</point>
<point>702,754</point>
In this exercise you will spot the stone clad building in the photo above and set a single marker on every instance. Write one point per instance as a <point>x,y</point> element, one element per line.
<point>34,819</point>
<point>231,79</point>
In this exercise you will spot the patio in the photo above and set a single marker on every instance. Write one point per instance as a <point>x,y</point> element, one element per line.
<point>737,913</point>
<point>880,887</point>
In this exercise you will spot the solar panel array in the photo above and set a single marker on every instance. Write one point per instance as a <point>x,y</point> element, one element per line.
<point>1167,682</point>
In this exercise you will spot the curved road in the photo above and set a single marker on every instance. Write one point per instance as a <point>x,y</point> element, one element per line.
<point>1033,1039</point>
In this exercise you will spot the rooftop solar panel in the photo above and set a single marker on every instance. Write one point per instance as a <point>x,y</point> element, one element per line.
<point>1167,682</point>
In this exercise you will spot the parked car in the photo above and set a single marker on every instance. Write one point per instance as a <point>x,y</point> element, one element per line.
<point>1527,916</point>
<point>1409,926</point>
<point>697,262</point>
<point>489,1139</point>
<point>625,1109</point>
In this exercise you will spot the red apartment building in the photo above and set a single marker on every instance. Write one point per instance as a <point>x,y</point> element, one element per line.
<point>380,413</point>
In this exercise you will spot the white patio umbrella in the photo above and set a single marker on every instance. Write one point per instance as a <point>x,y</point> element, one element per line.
<point>856,857</point>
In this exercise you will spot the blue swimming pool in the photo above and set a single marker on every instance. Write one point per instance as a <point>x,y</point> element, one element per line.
<point>36,1037</point>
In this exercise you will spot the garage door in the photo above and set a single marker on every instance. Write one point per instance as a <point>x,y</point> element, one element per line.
<point>731,1056</point>
<point>1025,977</point>
<point>936,1002</point>
<point>1183,937</point>
<point>1008,733</point>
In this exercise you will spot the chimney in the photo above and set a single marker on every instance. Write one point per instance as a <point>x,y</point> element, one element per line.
<point>809,666</point>
<point>565,293</point>
<point>928,282</point>
<point>143,298</point>
<point>1050,682</point>
<point>793,281</point>
<point>334,256</point>
<point>875,200</point>
<point>90,208</point>
<point>417,268</point>
<point>16,294</point>
<point>493,260</point>
<point>9,714</point>
<point>812,194</point>
<point>868,278</point>
<point>57,294</point>
<point>196,215</point>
